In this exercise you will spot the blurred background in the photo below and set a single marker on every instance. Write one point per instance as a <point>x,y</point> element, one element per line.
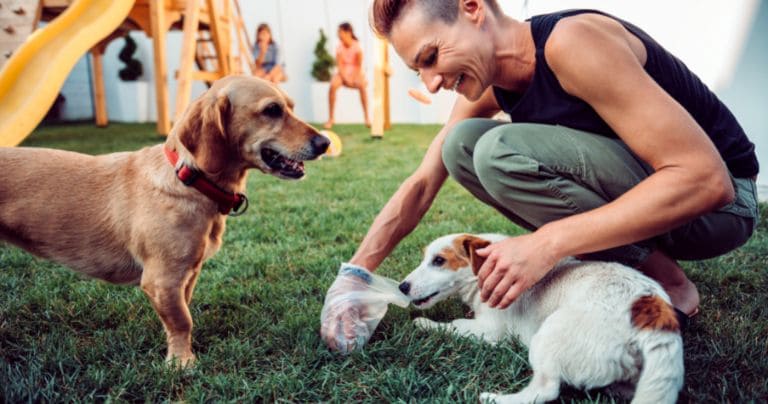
<point>725,43</point>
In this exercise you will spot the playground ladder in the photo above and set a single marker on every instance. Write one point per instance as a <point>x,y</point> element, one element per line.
<point>18,18</point>
<point>210,50</point>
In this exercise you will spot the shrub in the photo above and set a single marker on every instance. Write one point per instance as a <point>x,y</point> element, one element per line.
<point>321,68</point>
<point>133,68</point>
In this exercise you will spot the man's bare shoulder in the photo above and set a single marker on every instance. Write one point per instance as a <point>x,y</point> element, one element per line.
<point>578,33</point>
<point>586,47</point>
<point>581,36</point>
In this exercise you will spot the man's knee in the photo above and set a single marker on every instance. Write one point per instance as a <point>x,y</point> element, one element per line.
<point>454,151</point>
<point>460,143</point>
<point>504,151</point>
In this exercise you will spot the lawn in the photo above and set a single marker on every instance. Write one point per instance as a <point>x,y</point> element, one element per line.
<point>257,305</point>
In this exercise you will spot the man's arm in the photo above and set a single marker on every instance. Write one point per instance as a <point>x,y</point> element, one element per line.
<point>411,201</point>
<point>342,319</point>
<point>597,60</point>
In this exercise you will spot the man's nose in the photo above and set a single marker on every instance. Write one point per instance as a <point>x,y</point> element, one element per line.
<point>433,81</point>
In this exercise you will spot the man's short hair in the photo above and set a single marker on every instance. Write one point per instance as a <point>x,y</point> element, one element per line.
<point>384,13</point>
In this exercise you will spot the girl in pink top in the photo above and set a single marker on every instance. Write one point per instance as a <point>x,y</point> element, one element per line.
<point>349,73</point>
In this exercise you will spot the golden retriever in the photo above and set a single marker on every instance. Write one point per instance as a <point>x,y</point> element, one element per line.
<point>128,218</point>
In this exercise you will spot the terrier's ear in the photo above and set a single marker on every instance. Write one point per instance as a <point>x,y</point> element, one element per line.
<point>468,245</point>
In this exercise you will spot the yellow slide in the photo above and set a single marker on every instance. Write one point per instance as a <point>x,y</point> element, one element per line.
<point>31,79</point>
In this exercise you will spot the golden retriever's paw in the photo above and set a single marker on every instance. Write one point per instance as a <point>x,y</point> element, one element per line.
<point>182,361</point>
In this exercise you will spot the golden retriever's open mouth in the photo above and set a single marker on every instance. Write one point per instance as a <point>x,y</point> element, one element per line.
<point>282,165</point>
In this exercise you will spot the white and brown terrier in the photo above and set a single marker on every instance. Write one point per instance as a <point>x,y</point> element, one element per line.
<point>587,324</point>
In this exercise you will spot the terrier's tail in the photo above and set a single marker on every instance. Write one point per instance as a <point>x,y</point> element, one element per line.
<point>659,340</point>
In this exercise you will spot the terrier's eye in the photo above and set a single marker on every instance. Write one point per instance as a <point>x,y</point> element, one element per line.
<point>273,110</point>
<point>438,261</point>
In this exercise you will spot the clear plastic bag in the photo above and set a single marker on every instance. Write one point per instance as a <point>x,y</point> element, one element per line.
<point>354,306</point>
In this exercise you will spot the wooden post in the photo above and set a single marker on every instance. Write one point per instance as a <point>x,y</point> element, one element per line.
<point>158,25</point>
<point>381,73</point>
<point>219,41</point>
<point>99,94</point>
<point>244,42</point>
<point>188,50</point>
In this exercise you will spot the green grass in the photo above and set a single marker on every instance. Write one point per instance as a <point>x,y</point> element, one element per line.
<point>257,304</point>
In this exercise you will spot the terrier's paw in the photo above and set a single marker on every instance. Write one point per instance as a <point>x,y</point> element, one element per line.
<point>425,323</point>
<point>492,398</point>
<point>488,398</point>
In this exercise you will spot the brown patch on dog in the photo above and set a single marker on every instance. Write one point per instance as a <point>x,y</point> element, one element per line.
<point>453,260</point>
<point>468,245</point>
<point>653,313</point>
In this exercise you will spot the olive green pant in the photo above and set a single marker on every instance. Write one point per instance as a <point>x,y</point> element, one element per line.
<point>535,174</point>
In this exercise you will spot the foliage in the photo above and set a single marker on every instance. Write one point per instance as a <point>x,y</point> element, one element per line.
<point>133,68</point>
<point>321,68</point>
<point>64,338</point>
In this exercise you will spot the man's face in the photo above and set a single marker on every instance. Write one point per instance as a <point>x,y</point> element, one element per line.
<point>456,57</point>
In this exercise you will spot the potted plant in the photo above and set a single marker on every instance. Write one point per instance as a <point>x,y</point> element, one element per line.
<point>133,68</point>
<point>321,68</point>
<point>321,71</point>
<point>133,98</point>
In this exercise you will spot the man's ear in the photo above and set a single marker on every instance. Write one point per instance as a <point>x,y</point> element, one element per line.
<point>474,10</point>
<point>202,131</point>
<point>468,245</point>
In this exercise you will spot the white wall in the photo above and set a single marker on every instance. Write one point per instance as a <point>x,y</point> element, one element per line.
<point>747,93</point>
<point>710,43</point>
<point>295,25</point>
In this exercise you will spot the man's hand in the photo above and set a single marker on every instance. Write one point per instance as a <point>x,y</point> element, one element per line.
<point>342,326</point>
<point>511,267</point>
<point>356,302</point>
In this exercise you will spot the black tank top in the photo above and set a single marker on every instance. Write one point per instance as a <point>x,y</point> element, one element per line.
<point>545,101</point>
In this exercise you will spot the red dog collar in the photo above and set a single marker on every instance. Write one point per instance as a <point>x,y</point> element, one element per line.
<point>229,202</point>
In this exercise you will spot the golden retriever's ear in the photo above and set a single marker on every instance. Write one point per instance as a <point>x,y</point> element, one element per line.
<point>469,246</point>
<point>203,131</point>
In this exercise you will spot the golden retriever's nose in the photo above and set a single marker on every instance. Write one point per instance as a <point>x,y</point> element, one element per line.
<point>319,144</point>
<point>405,287</point>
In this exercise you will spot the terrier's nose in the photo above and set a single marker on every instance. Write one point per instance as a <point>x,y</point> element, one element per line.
<point>405,287</point>
<point>320,144</point>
